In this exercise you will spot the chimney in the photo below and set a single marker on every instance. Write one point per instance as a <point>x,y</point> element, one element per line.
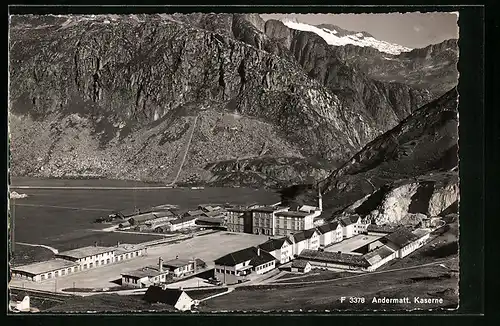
<point>258,251</point>
<point>160,265</point>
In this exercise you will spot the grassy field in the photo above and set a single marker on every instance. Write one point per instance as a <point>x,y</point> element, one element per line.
<point>58,217</point>
<point>426,282</point>
<point>314,275</point>
<point>26,255</point>
<point>204,293</point>
<point>108,303</point>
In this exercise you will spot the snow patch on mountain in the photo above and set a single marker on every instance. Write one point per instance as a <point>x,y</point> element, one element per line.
<point>357,39</point>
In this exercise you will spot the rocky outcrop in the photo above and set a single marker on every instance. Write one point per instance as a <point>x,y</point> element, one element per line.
<point>406,202</point>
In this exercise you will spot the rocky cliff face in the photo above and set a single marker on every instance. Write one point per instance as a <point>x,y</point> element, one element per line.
<point>153,97</point>
<point>407,202</point>
<point>426,142</point>
<point>419,68</point>
<point>387,103</point>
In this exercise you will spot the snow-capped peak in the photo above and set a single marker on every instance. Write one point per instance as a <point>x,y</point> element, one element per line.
<point>358,39</point>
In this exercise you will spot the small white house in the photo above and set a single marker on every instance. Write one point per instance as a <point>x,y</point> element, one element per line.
<point>301,266</point>
<point>176,298</point>
<point>146,276</point>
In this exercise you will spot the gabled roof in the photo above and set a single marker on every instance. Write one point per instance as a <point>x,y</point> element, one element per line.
<point>325,228</point>
<point>85,252</point>
<point>400,238</point>
<point>208,220</point>
<point>378,254</point>
<point>156,294</point>
<point>263,258</point>
<point>243,255</point>
<point>380,228</point>
<point>334,257</point>
<point>274,244</point>
<point>346,221</point>
<point>355,218</point>
<point>124,248</point>
<point>148,271</point>
<point>304,235</point>
<point>299,263</point>
<point>143,217</point>
<point>45,266</point>
<point>237,257</point>
<point>177,262</point>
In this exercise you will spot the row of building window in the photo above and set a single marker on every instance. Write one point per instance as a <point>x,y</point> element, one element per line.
<point>58,273</point>
<point>263,266</point>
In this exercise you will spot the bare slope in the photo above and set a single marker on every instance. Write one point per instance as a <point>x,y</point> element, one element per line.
<point>424,144</point>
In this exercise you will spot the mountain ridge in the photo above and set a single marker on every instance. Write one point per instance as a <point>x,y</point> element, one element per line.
<point>129,88</point>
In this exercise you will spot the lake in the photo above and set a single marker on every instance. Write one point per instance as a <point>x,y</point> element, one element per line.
<point>64,218</point>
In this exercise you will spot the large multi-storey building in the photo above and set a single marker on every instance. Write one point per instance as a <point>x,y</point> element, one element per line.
<point>264,219</point>
<point>235,219</point>
<point>289,222</point>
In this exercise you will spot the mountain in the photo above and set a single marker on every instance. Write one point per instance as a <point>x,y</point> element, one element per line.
<point>419,158</point>
<point>217,98</point>
<point>337,36</point>
<point>389,62</point>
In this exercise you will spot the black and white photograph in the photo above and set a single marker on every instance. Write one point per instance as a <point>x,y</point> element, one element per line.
<point>233,162</point>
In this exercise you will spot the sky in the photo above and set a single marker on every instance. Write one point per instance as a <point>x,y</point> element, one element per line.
<point>414,30</point>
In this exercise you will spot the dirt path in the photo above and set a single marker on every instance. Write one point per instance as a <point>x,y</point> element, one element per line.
<point>229,290</point>
<point>188,145</point>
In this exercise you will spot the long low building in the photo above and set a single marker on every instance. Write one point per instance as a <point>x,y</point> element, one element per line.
<point>335,260</point>
<point>146,276</point>
<point>397,244</point>
<point>129,251</point>
<point>77,260</point>
<point>45,270</point>
<point>89,257</point>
